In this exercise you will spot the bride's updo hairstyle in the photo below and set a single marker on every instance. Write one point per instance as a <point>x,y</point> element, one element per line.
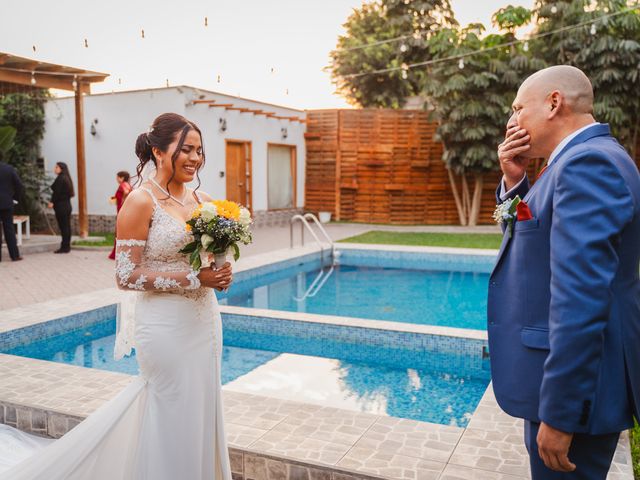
<point>162,133</point>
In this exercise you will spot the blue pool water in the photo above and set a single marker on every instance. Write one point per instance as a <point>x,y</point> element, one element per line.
<point>427,297</point>
<point>432,387</point>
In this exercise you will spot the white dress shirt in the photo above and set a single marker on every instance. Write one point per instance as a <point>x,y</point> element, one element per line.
<point>565,141</point>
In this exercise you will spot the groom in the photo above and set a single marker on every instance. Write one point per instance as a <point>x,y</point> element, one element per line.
<point>563,306</point>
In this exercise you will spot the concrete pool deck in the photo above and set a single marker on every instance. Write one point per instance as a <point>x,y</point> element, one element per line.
<point>274,438</point>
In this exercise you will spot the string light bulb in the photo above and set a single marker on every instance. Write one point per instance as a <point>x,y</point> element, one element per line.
<point>74,84</point>
<point>405,69</point>
<point>86,43</point>
<point>142,32</point>
<point>461,64</point>
<point>286,92</point>
<point>34,48</point>
<point>525,47</point>
<point>219,79</point>
<point>403,48</point>
<point>593,30</point>
<point>33,78</point>
<point>554,9</point>
<point>119,81</point>
<point>206,21</point>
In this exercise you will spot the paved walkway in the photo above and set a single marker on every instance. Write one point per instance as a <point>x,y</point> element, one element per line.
<point>45,276</point>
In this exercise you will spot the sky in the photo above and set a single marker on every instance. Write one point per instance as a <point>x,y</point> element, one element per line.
<point>273,51</point>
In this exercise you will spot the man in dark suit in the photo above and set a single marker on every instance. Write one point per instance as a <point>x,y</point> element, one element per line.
<point>10,189</point>
<point>563,309</point>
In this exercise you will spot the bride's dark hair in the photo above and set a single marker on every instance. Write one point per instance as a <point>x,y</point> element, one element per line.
<point>164,130</point>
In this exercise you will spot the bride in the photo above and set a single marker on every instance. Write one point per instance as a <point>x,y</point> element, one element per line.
<point>167,424</point>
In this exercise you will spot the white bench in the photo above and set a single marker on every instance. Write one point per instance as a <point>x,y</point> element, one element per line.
<point>19,220</point>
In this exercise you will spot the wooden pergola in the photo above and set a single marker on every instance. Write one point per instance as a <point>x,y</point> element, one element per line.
<point>16,73</point>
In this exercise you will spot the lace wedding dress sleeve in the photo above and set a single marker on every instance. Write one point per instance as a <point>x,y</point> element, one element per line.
<point>131,275</point>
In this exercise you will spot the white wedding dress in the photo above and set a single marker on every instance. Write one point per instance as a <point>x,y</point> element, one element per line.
<point>167,424</point>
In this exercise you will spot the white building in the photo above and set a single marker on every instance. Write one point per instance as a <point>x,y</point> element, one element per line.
<point>255,152</point>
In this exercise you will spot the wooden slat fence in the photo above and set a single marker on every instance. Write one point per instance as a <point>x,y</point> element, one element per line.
<point>381,166</point>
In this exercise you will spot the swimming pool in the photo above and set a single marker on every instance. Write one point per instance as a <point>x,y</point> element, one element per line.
<point>398,290</point>
<point>438,387</point>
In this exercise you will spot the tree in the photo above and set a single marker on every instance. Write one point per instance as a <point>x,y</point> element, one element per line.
<point>24,113</point>
<point>7,137</point>
<point>471,92</point>
<point>368,47</point>
<point>606,48</point>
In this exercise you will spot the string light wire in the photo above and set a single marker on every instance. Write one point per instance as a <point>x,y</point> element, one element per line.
<point>462,56</point>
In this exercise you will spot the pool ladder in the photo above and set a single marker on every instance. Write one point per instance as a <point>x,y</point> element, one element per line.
<point>322,276</point>
<point>316,285</point>
<point>304,223</point>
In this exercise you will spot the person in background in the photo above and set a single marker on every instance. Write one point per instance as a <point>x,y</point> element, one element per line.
<point>61,203</point>
<point>10,191</point>
<point>124,188</point>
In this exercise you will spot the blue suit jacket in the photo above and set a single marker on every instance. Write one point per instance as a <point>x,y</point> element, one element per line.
<point>564,296</point>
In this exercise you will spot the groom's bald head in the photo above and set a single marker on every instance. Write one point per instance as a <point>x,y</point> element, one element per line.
<point>570,82</point>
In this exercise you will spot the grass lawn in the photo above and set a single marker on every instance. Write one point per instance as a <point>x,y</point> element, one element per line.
<point>635,451</point>
<point>460,240</point>
<point>107,242</point>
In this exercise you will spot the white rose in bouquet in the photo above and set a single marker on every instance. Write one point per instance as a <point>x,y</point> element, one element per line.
<point>208,212</point>
<point>245,216</point>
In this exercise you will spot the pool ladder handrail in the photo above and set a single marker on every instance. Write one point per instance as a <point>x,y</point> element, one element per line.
<point>311,292</point>
<point>304,223</point>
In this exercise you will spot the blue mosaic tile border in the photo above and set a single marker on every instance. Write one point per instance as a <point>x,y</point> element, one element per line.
<point>58,326</point>
<point>421,348</point>
<point>384,259</point>
<point>417,260</point>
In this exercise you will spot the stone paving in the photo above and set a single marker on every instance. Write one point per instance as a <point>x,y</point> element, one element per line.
<point>270,438</point>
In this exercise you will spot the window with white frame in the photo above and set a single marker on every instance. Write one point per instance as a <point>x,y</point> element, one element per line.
<point>281,164</point>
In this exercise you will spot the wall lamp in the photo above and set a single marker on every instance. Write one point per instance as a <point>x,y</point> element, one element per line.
<point>92,129</point>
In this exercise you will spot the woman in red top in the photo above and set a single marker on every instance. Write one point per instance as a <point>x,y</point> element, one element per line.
<point>121,194</point>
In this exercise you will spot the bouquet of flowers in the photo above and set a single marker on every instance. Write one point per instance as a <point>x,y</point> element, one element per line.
<point>217,227</point>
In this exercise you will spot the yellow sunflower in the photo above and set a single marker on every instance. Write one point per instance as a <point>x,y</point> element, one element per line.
<point>227,209</point>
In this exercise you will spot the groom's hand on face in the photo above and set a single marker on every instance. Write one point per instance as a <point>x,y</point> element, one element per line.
<point>513,166</point>
<point>553,447</point>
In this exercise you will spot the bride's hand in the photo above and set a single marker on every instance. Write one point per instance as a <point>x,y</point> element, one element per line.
<point>218,279</point>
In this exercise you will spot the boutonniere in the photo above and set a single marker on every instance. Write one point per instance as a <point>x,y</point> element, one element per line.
<point>511,210</point>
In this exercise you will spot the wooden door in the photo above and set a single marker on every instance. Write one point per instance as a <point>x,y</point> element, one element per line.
<point>239,172</point>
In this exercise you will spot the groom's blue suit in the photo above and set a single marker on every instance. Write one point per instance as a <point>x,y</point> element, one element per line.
<point>564,296</point>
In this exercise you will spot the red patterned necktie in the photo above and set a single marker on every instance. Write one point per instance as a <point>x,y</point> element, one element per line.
<point>541,171</point>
